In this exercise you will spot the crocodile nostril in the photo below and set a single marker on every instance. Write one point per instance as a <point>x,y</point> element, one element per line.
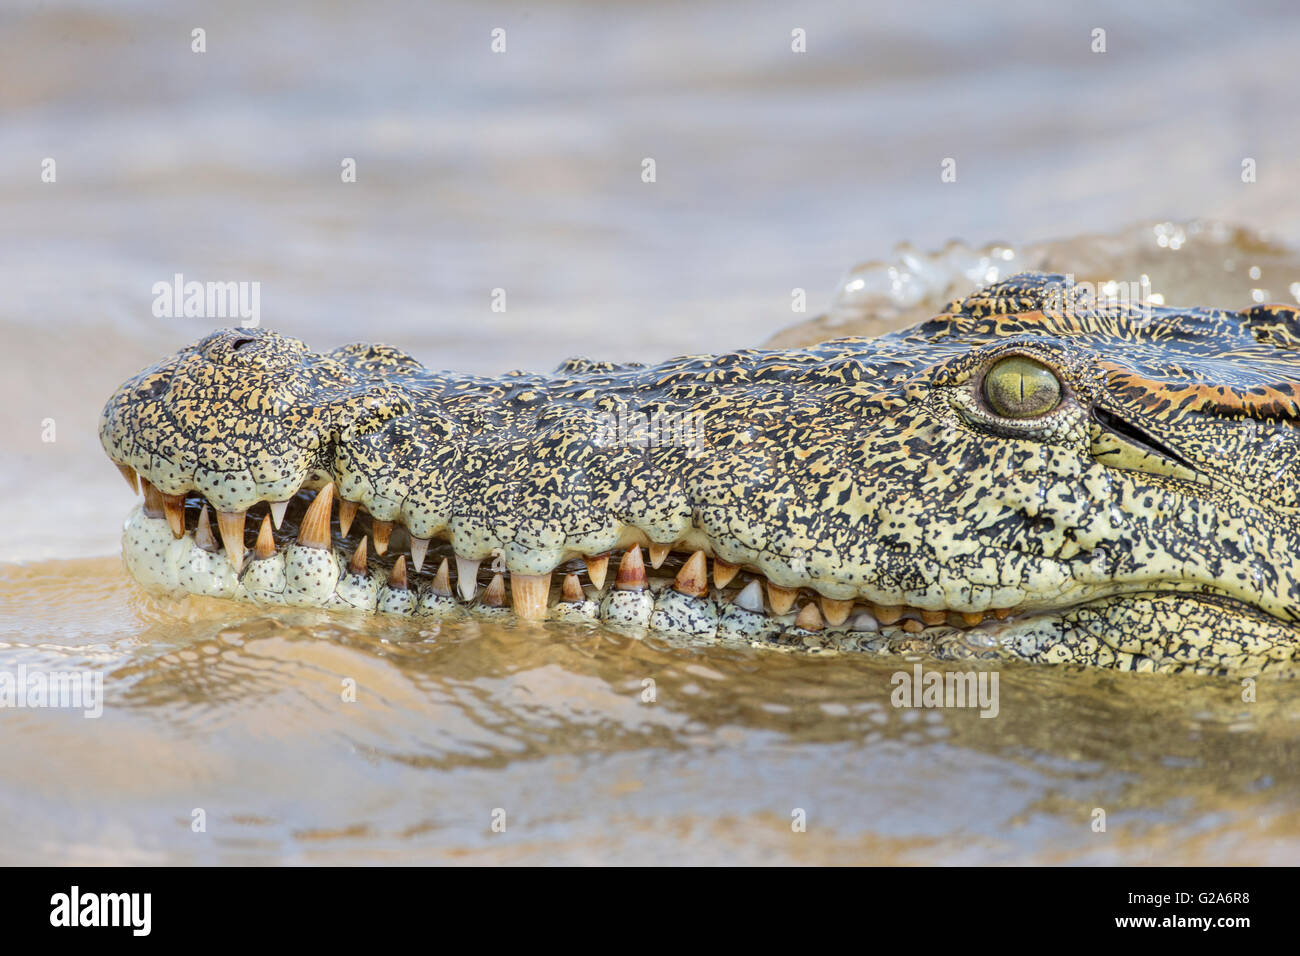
<point>154,388</point>
<point>238,344</point>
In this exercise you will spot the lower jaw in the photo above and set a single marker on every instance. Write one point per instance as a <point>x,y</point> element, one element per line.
<point>298,576</point>
<point>325,578</point>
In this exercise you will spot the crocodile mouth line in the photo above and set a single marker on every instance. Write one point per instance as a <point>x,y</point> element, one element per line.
<point>384,569</point>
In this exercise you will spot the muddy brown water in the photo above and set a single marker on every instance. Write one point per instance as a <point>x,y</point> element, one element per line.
<point>303,738</point>
<point>246,716</point>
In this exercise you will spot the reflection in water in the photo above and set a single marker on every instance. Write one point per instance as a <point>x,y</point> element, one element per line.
<point>304,736</point>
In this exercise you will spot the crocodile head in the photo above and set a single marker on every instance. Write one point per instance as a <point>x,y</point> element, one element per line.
<point>1021,475</point>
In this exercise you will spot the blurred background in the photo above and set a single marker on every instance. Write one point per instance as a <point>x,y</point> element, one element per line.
<point>522,170</point>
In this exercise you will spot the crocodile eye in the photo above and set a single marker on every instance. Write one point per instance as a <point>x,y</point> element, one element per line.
<point>1019,387</point>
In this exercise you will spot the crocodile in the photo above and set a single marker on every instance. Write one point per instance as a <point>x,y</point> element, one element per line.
<point>1029,475</point>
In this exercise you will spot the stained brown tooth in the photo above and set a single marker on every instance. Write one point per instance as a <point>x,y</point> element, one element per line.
<point>972,617</point>
<point>810,619</point>
<point>529,593</point>
<point>347,511</point>
<point>781,599</point>
<point>693,579</point>
<point>419,547</point>
<point>174,507</point>
<point>441,580</point>
<point>381,531</point>
<point>397,576</point>
<point>131,479</point>
<point>913,626</point>
<point>934,617</point>
<point>887,613</point>
<point>1002,613</point>
<point>203,535</point>
<point>494,595</point>
<point>723,573</point>
<point>153,500</point>
<point>631,571</point>
<point>658,552</point>
<point>837,612</point>
<point>571,592</point>
<point>265,546</point>
<point>278,508</point>
<point>597,568</point>
<point>314,532</point>
<point>467,577</point>
<point>358,562</point>
<point>231,526</point>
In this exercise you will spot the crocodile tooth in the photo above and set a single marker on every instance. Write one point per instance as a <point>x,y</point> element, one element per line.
<point>314,531</point>
<point>528,594</point>
<point>265,546</point>
<point>153,500</point>
<point>358,563</point>
<point>174,508</point>
<point>810,619</point>
<point>419,547</point>
<point>631,571</point>
<point>494,595</point>
<point>278,508</point>
<point>781,599</point>
<point>347,511</point>
<point>1002,613</point>
<point>912,625</point>
<point>467,577</point>
<point>397,576</point>
<point>934,617</point>
<point>381,531</point>
<point>571,591</point>
<point>724,572</point>
<point>751,597</point>
<point>231,526</point>
<point>693,579</point>
<point>864,621</point>
<point>837,612</point>
<point>131,478</point>
<point>887,613</point>
<point>203,535</point>
<point>971,618</point>
<point>442,580</point>
<point>597,568</point>
<point>657,553</point>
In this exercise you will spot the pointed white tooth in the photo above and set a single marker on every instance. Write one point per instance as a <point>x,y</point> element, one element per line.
<point>864,621</point>
<point>751,598</point>
<point>419,547</point>
<point>467,577</point>
<point>278,508</point>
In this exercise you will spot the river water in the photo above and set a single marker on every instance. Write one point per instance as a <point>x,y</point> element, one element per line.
<point>522,171</point>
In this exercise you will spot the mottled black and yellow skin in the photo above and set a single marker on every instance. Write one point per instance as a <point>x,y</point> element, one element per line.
<point>1148,521</point>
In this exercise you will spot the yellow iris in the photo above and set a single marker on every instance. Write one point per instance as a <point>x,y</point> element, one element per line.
<point>1019,387</point>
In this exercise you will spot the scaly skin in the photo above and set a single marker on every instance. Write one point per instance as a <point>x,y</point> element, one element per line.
<point>1147,520</point>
